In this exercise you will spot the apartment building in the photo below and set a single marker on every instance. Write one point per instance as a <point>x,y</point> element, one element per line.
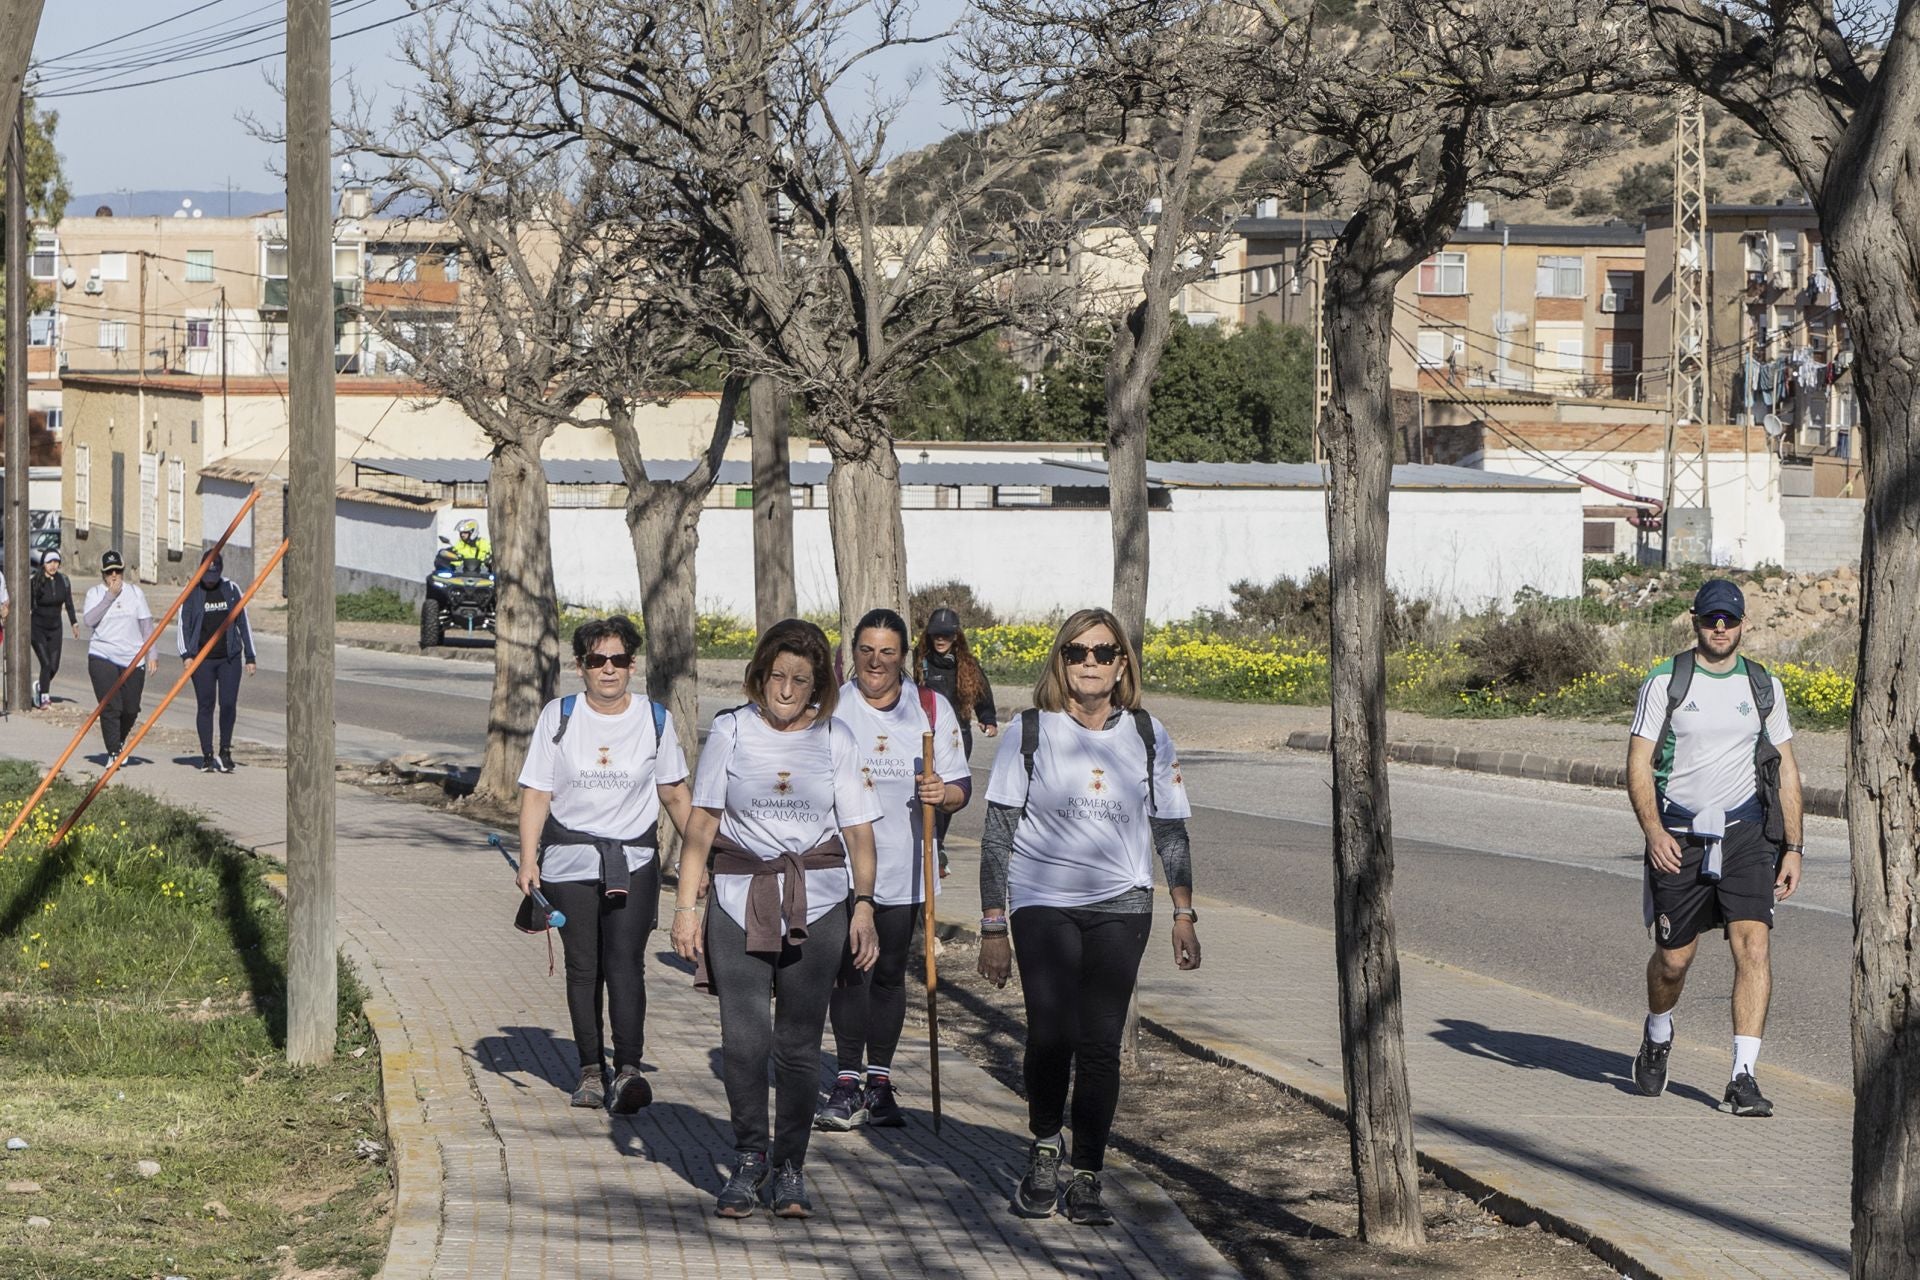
<point>1777,343</point>
<point>1532,307</point>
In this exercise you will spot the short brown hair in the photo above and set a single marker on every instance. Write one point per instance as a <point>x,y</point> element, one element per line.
<point>803,638</point>
<point>1050,694</point>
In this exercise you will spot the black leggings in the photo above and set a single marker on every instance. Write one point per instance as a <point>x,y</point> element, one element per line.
<point>1077,970</point>
<point>46,651</point>
<point>121,713</point>
<point>606,945</point>
<point>870,1008</point>
<point>219,678</point>
<point>773,1009</point>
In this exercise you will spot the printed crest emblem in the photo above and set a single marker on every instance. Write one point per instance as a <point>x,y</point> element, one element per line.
<point>606,757</point>
<point>784,787</point>
<point>1666,928</point>
<point>1099,782</point>
<point>866,776</point>
<point>879,744</point>
<point>1745,708</point>
<point>1177,780</point>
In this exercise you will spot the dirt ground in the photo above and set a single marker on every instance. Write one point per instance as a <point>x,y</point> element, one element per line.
<point>1262,1174</point>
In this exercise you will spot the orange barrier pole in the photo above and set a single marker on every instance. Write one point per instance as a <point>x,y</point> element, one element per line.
<point>40,792</point>
<point>220,631</point>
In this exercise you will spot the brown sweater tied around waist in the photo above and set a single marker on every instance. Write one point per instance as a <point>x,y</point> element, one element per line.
<point>768,900</point>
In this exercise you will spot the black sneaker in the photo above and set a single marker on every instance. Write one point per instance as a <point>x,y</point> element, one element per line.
<point>1039,1191</point>
<point>742,1191</point>
<point>226,762</point>
<point>1650,1067</point>
<point>1083,1201</point>
<point>883,1109</point>
<point>592,1090</point>
<point>209,765</point>
<point>630,1092</point>
<point>845,1107</point>
<point>1743,1097</point>
<point>788,1195</point>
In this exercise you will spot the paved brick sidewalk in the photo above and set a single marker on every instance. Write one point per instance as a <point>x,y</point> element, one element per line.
<point>1530,1097</point>
<point>499,1177</point>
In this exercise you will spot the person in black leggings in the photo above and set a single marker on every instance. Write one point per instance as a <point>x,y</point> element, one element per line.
<point>216,681</point>
<point>52,595</point>
<point>888,718</point>
<point>1086,789</point>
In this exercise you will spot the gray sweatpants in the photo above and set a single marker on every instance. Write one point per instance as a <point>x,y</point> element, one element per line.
<point>774,1008</point>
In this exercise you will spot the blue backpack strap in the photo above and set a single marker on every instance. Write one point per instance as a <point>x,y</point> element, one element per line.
<point>659,720</point>
<point>566,714</point>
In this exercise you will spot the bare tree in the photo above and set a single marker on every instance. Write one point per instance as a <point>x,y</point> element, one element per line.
<point>526,213</point>
<point>842,308</point>
<point>1122,74</point>
<point>1833,88</point>
<point>1402,121</point>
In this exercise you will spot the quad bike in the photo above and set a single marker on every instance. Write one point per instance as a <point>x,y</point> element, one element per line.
<point>459,598</point>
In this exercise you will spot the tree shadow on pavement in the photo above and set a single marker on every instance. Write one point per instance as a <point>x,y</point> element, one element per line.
<point>529,1051</point>
<point>1532,1051</point>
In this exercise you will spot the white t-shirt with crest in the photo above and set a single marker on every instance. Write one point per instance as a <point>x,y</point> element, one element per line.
<point>781,793</point>
<point>890,743</point>
<point>1085,836</point>
<point>603,776</point>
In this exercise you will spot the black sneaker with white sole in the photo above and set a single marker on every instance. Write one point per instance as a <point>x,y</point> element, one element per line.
<point>742,1192</point>
<point>1743,1097</point>
<point>630,1092</point>
<point>1084,1207</point>
<point>787,1197</point>
<point>226,762</point>
<point>883,1108</point>
<point>1039,1191</point>
<point>845,1107</point>
<point>209,765</point>
<point>1650,1067</point>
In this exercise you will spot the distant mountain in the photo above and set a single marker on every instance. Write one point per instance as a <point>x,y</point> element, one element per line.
<point>145,204</point>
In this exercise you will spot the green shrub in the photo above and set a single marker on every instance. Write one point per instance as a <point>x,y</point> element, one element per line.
<point>375,604</point>
<point>954,595</point>
<point>1304,611</point>
<point>1536,650</point>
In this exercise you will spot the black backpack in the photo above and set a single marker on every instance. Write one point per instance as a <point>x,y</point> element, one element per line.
<point>1766,756</point>
<point>1030,747</point>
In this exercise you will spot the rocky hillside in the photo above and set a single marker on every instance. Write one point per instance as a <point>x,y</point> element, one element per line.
<point>1789,615</point>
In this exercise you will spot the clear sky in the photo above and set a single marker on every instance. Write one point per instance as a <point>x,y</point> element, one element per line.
<point>185,134</point>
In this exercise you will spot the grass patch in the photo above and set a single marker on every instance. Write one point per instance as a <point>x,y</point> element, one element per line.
<point>142,1017</point>
<point>375,604</point>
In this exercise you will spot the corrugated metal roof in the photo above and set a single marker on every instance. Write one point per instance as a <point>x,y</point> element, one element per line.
<point>1306,475</point>
<point>607,471</point>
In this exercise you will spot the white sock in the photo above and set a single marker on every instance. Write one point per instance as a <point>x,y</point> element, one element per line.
<point>1660,1027</point>
<point>1055,1141</point>
<point>1746,1052</point>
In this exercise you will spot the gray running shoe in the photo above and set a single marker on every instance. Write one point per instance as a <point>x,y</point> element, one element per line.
<point>788,1196</point>
<point>1038,1192</point>
<point>591,1091</point>
<point>1084,1207</point>
<point>1743,1097</point>
<point>742,1191</point>
<point>1650,1067</point>
<point>630,1092</point>
<point>883,1109</point>
<point>846,1107</point>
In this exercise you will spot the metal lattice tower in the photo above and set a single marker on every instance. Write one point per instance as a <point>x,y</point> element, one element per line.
<point>1688,535</point>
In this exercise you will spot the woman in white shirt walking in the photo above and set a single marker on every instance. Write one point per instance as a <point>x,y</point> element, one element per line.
<point>121,621</point>
<point>599,771</point>
<point>888,717</point>
<point>1085,790</point>
<point>781,806</point>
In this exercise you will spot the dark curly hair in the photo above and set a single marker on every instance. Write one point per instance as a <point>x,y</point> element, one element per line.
<point>619,626</point>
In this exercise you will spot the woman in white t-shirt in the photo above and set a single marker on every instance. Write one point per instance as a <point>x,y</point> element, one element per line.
<point>781,806</point>
<point>600,769</point>
<point>889,717</point>
<point>1085,790</point>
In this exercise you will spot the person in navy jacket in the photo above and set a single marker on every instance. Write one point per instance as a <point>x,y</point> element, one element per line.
<point>217,680</point>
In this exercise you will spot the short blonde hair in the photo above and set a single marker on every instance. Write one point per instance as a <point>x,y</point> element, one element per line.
<point>1050,693</point>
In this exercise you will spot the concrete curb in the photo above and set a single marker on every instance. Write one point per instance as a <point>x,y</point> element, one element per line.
<point>1827,802</point>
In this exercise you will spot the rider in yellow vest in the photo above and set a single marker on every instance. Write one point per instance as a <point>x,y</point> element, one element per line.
<point>469,545</point>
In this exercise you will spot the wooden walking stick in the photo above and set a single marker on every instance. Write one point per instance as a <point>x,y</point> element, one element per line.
<point>928,871</point>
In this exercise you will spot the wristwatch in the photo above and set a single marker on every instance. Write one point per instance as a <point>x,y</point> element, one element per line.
<point>863,897</point>
<point>1187,913</point>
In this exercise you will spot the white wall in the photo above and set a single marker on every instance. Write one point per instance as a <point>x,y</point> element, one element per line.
<point>1462,548</point>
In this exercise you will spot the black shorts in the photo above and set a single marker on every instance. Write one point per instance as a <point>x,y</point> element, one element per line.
<point>1684,905</point>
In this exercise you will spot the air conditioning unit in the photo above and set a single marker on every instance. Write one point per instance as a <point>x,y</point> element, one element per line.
<point>93,285</point>
<point>1611,301</point>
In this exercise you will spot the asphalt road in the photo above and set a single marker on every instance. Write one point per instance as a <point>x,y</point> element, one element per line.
<point>1532,883</point>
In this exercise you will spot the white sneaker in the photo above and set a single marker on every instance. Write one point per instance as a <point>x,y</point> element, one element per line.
<point>36,695</point>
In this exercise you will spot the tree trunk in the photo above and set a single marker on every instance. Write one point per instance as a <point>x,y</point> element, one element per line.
<point>773,593</point>
<point>1883,795</point>
<point>1359,441</point>
<point>869,537</point>
<point>526,654</point>
<point>1128,397</point>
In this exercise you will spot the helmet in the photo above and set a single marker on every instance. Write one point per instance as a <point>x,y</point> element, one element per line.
<point>467,529</point>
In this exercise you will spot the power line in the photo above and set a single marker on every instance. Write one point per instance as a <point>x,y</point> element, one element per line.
<point>125,35</point>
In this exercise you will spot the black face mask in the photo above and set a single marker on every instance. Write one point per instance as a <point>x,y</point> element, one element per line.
<point>210,584</point>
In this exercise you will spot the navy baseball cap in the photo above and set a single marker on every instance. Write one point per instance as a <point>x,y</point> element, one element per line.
<point>1719,596</point>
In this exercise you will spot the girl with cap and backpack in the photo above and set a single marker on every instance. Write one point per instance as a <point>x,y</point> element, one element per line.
<point>602,766</point>
<point>888,717</point>
<point>782,808</point>
<point>1082,797</point>
<point>943,662</point>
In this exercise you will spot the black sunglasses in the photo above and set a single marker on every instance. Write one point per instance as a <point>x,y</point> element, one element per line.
<point>108,573</point>
<point>1715,621</point>
<point>595,661</point>
<point>1104,654</point>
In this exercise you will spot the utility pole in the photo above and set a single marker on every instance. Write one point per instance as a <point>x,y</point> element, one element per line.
<point>312,946</point>
<point>19,24</point>
<point>17,691</point>
<point>1688,519</point>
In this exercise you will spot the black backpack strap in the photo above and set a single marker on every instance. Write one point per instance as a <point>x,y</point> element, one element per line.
<point>1029,747</point>
<point>566,714</point>
<point>1677,685</point>
<point>1761,681</point>
<point>1143,723</point>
